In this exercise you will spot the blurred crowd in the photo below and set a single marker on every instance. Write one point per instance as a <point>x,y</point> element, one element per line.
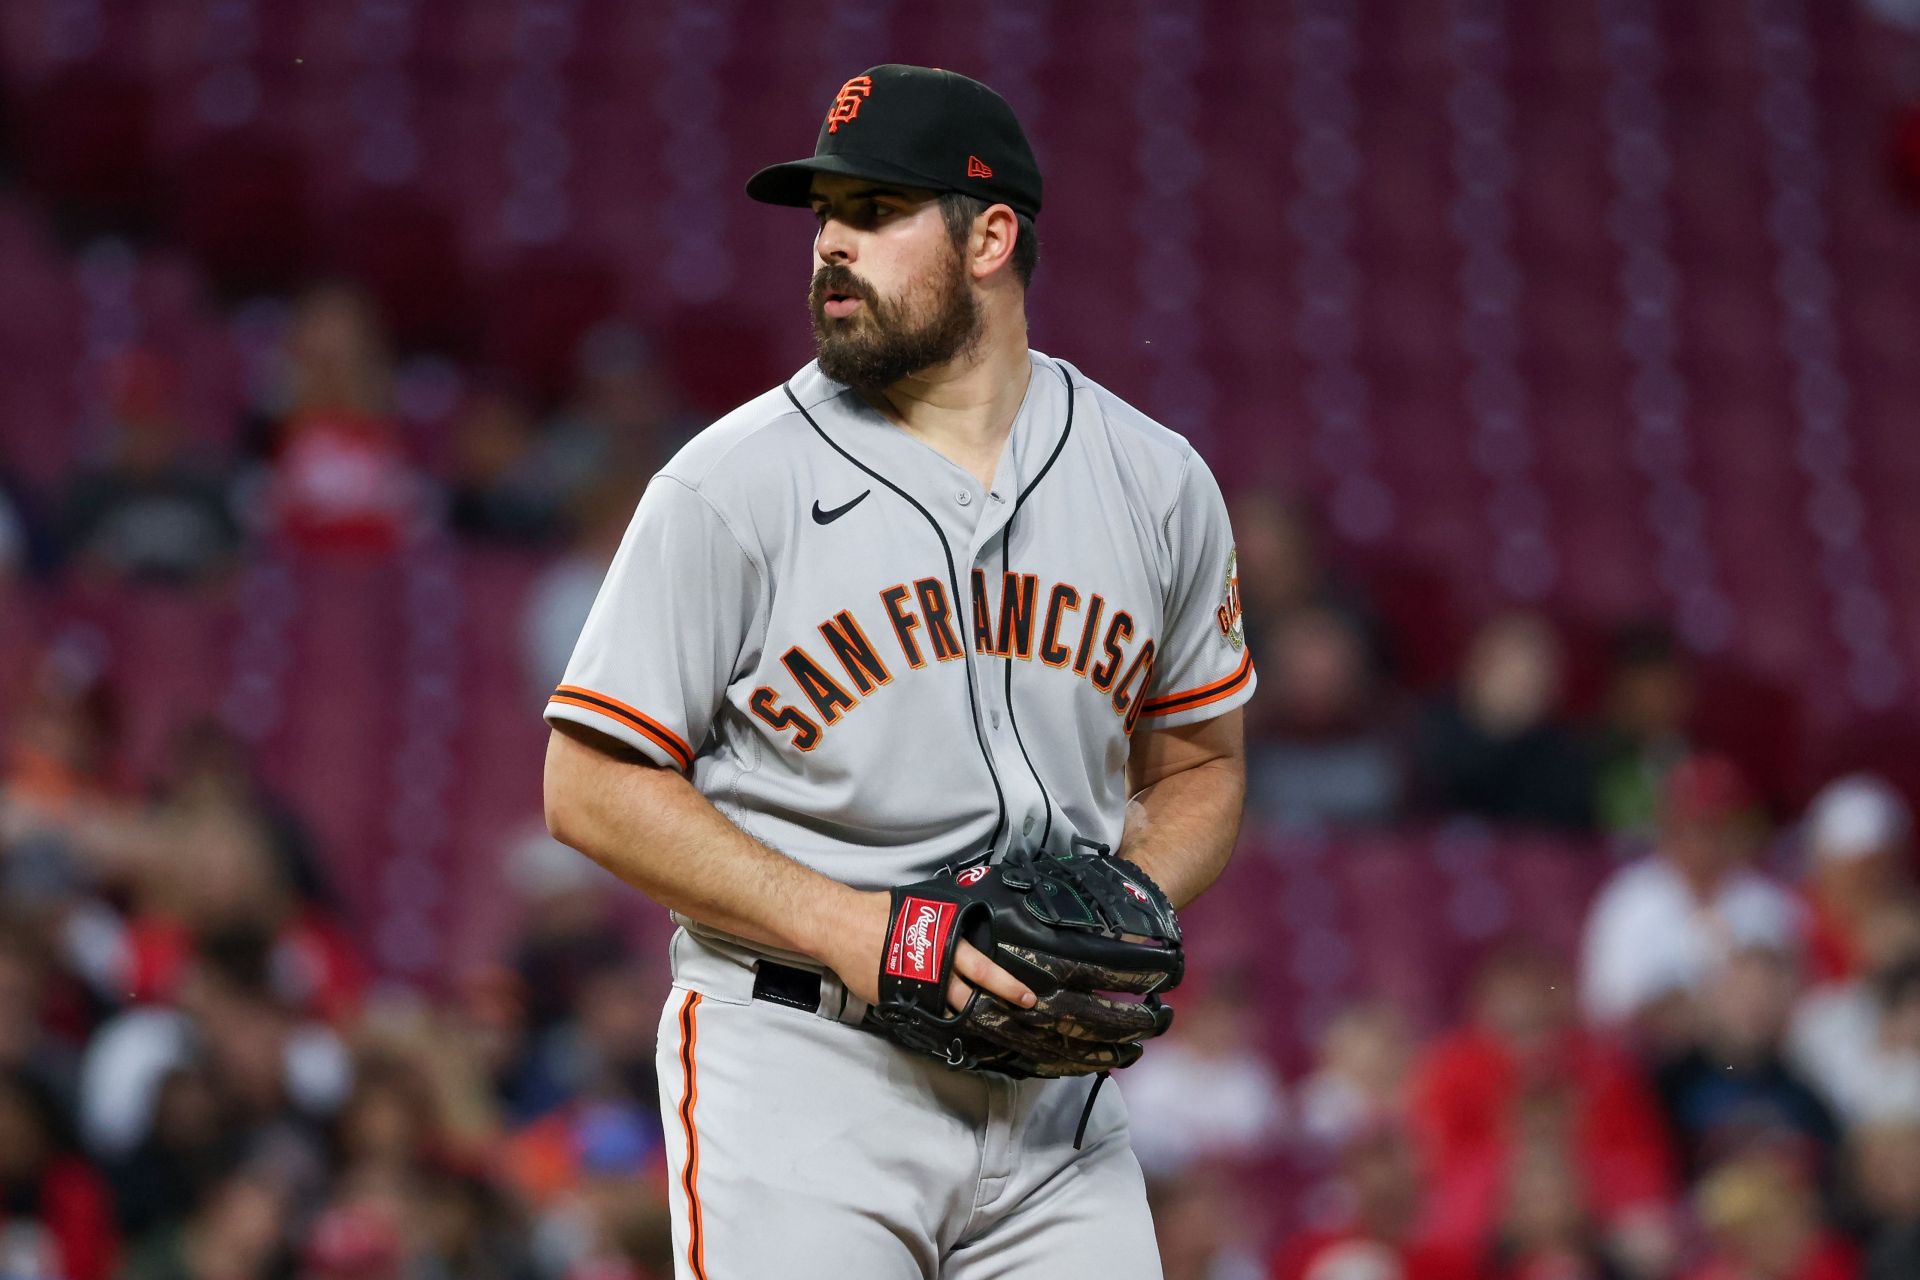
<point>1341,736</point>
<point>347,449</point>
<point>1724,1084</point>
<point>201,1078</point>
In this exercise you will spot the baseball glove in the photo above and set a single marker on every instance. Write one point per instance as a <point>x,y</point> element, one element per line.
<point>1072,926</point>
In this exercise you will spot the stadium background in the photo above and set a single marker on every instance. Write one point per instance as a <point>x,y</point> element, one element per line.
<point>1559,359</point>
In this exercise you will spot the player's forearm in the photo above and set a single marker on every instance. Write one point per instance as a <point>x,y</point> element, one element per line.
<point>649,826</point>
<point>1181,829</point>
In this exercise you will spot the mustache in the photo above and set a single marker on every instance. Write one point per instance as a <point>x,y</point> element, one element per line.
<point>837,279</point>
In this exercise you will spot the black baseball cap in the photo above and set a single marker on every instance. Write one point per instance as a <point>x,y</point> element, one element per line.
<point>918,127</point>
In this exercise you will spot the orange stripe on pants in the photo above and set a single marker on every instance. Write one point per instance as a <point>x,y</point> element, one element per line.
<point>689,1176</point>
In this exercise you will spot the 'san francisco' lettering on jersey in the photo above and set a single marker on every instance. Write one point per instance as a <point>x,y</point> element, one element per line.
<point>877,664</point>
<point>837,675</point>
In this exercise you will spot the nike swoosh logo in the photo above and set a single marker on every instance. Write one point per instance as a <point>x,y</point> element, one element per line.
<point>828,517</point>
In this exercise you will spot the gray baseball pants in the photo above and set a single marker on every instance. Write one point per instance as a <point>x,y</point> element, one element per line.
<point>803,1148</point>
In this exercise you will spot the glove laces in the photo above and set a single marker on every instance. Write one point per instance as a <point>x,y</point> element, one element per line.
<point>1086,1112</point>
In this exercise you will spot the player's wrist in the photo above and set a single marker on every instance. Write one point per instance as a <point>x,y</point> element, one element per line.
<point>846,931</point>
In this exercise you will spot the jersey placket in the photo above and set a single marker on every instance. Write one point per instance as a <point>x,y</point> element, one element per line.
<point>1025,801</point>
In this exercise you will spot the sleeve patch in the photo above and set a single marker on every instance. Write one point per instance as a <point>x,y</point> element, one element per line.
<point>1233,627</point>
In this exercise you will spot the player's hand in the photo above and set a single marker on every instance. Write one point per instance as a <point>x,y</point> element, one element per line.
<point>861,945</point>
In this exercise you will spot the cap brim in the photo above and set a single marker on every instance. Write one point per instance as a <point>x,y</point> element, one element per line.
<point>792,183</point>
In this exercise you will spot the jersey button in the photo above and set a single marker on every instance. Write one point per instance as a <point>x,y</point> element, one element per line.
<point>1026,828</point>
<point>964,498</point>
<point>995,717</point>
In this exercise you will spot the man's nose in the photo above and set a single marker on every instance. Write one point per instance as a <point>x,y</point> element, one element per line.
<point>835,243</point>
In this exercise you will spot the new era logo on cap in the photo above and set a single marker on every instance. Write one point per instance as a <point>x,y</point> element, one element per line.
<point>977,168</point>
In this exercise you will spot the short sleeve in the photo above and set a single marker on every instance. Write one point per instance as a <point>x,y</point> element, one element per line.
<point>666,631</point>
<point>1203,668</point>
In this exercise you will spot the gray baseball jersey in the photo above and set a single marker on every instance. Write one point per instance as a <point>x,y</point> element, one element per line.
<point>877,667</point>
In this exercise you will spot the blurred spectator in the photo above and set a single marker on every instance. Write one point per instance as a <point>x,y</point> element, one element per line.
<point>1886,1176</point>
<point>429,1049</point>
<point>223,868</point>
<point>500,493</point>
<point>283,1076</point>
<point>1496,749</point>
<point>622,417</point>
<point>445,1222</point>
<point>1203,1224</point>
<point>1858,842</point>
<point>470,1229</point>
<point>569,932</point>
<point>1322,754</point>
<point>409,1198</point>
<point>1283,569</point>
<point>280,1077</point>
<point>55,776</point>
<point>487,1024</point>
<point>1732,1091</point>
<point>56,1219</point>
<point>148,512</point>
<point>1662,924</point>
<point>187,1149</point>
<point>612,1223</point>
<point>237,1230</point>
<point>557,607</point>
<point>355,1240</point>
<point>27,966</point>
<point>389,1126</point>
<point>1649,702</point>
<point>1877,1076</point>
<point>215,879</point>
<point>1546,1230</point>
<point>340,479</point>
<point>1524,1080</point>
<point>1377,1238</point>
<point>1859,1040</point>
<point>1206,1092</point>
<point>611,1123</point>
<point>208,768</point>
<point>1764,1223</point>
<point>1360,1082</point>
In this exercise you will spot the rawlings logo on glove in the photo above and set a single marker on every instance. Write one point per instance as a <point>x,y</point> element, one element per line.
<point>919,934</point>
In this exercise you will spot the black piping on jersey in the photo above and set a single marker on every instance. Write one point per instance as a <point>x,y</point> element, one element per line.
<point>1006,541</point>
<point>973,699</point>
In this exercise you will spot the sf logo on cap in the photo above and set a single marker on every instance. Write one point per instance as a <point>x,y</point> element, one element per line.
<point>846,103</point>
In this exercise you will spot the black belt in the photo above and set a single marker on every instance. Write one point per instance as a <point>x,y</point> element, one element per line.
<point>784,984</point>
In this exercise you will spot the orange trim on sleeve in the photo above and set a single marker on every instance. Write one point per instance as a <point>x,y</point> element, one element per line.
<point>666,739</point>
<point>689,1176</point>
<point>1187,700</point>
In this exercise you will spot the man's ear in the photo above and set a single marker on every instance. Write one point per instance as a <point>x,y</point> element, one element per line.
<point>990,244</point>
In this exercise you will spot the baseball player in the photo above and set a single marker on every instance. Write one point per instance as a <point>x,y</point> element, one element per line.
<point>940,618</point>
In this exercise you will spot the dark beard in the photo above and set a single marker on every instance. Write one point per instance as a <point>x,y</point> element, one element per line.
<point>879,345</point>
